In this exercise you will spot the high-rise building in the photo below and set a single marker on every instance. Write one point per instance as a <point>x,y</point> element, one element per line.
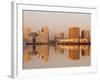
<point>85,34</point>
<point>74,33</point>
<point>26,34</point>
<point>43,36</point>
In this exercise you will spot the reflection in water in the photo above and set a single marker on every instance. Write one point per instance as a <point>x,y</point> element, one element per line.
<point>44,56</point>
<point>27,56</point>
<point>85,50</point>
<point>74,53</point>
<point>43,52</point>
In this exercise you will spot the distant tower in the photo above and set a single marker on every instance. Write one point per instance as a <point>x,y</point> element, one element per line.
<point>74,33</point>
<point>85,34</point>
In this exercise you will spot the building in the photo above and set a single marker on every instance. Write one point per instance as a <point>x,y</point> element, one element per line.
<point>59,36</point>
<point>74,33</point>
<point>26,34</point>
<point>66,41</point>
<point>85,35</point>
<point>43,35</point>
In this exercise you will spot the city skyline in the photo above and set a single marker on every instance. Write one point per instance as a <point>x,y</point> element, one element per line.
<point>42,36</point>
<point>56,21</point>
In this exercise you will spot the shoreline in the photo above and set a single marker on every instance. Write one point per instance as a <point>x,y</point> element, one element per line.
<point>58,43</point>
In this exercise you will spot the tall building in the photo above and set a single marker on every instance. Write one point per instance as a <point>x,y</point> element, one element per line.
<point>26,34</point>
<point>74,33</point>
<point>43,36</point>
<point>85,34</point>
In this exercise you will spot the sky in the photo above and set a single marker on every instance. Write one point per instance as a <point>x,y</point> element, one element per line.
<point>56,21</point>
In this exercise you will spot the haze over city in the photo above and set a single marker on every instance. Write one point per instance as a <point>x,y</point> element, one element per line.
<point>56,21</point>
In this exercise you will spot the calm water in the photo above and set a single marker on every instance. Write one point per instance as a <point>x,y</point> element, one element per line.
<point>51,56</point>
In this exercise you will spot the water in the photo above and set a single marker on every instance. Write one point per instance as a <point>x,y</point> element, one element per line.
<point>54,56</point>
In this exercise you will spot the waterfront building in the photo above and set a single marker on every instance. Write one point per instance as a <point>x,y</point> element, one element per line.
<point>43,35</point>
<point>26,34</point>
<point>74,33</point>
<point>85,35</point>
<point>66,41</point>
<point>59,36</point>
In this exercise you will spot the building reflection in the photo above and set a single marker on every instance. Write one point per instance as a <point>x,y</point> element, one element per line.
<point>43,52</point>
<point>26,55</point>
<point>59,50</point>
<point>85,50</point>
<point>74,53</point>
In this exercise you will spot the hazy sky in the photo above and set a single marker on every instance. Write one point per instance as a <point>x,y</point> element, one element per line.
<point>56,21</point>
